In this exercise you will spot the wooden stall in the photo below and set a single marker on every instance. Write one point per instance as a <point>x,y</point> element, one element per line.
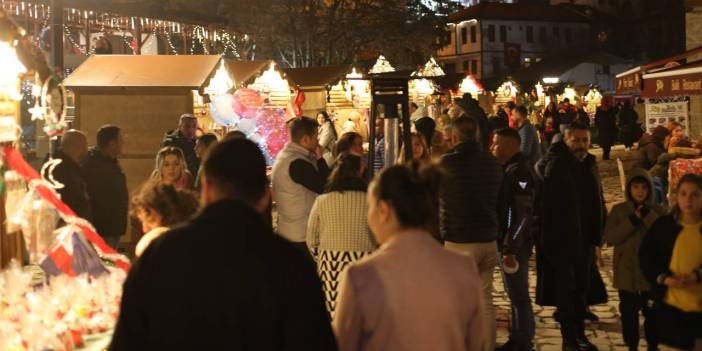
<point>144,95</point>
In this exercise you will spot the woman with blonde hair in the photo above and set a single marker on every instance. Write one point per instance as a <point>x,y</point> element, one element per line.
<point>172,169</point>
<point>420,150</point>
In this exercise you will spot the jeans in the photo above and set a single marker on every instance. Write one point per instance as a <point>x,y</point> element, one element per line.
<point>521,332</point>
<point>485,256</point>
<point>573,282</point>
<point>630,303</point>
<point>660,189</point>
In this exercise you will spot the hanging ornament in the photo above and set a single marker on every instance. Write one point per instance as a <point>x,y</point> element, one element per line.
<point>222,111</point>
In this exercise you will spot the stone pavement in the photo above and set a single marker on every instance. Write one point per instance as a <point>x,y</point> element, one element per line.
<point>606,333</point>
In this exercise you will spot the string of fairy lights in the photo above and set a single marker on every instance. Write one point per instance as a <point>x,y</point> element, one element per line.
<point>200,39</point>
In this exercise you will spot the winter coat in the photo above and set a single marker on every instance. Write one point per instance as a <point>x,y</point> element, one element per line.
<point>177,139</point>
<point>222,281</point>
<point>650,148</point>
<point>469,195</point>
<point>606,126</point>
<point>75,190</point>
<point>516,204</point>
<point>530,146</point>
<point>107,188</point>
<point>563,230</point>
<point>327,140</point>
<point>473,110</point>
<point>625,231</point>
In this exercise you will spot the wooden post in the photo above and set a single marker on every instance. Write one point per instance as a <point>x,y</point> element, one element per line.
<point>57,35</point>
<point>184,37</point>
<point>138,38</point>
<point>87,35</point>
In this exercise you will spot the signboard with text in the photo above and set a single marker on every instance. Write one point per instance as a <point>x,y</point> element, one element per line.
<point>629,84</point>
<point>680,85</point>
<point>660,114</point>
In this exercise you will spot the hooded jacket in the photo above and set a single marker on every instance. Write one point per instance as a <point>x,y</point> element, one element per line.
<point>650,147</point>
<point>516,203</point>
<point>625,231</point>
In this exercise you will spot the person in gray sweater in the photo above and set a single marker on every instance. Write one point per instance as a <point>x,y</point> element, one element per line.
<point>529,146</point>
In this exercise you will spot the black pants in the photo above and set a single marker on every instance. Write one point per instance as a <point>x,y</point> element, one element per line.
<point>605,151</point>
<point>630,304</point>
<point>571,294</point>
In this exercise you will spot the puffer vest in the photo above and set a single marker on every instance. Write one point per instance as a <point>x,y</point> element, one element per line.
<point>293,201</point>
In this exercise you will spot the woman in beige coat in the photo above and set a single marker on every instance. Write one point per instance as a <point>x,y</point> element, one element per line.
<point>411,294</point>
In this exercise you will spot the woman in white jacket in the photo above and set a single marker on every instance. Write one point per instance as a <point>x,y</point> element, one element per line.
<point>327,136</point>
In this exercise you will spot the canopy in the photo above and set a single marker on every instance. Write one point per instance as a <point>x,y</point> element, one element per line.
<point>143,71</point>
<point>680,81</point>
<point>317,78</point>
<point>244,72</point>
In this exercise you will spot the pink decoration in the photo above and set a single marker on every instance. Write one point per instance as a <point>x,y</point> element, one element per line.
<point>271,124</point>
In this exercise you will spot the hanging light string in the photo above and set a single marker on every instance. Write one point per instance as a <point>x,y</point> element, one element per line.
<point>73,42</point>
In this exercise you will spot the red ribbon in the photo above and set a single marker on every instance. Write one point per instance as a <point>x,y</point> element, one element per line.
<point>18,164</point>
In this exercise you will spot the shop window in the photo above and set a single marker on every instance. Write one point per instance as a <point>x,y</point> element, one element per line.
<point>466,66</point>
<point>464,35</point>
<point>450,68</point>
<point>557,32</point>
<point>473,34</point>
<point>474,66</point>
<point>503,34</point>
<point>569,34</point>
<point>530,34</point>
<point>496,67</point>
<point>491,33</point>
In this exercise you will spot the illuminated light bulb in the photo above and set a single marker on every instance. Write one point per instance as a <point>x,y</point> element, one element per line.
<point>469,85</point>
<point>221,82</point>
<point>10,69</point>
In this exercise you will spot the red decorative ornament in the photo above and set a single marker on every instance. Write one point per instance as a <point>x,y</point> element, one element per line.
<point>271,124</point>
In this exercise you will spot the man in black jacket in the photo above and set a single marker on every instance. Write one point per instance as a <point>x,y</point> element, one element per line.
<point>468,220</point>
<point>74,146</point>
<point>516,211</point>
<point>223,280</point>
<point>184,138</point>
<point>107,185</point>
<point>571,229</point>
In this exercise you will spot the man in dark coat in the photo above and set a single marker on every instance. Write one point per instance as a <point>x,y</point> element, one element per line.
<point>516,211</point>
<point>223,280</point>
<point>627,120</point>
<point>107,185</point>
<point>184,138</point>
<point>74,146</point>
<point>606,129</point>
<point>473,110</point>
<point>468,210</point>
<point>572,215</point>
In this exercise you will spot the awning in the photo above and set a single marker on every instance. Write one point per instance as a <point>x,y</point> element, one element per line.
<point>630,82</point>
<point>143,71</point>
<point>245,72</point>
<point>675,82</point>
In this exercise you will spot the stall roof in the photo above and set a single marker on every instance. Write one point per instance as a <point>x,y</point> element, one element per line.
<point>143,71</point>
<point>244,72</point>
<point>317,77</point>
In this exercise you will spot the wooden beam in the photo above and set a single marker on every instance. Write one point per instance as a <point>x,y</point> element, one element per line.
<point>138,38</point>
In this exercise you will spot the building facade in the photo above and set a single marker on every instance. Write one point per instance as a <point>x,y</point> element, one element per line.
<point>494,39</point>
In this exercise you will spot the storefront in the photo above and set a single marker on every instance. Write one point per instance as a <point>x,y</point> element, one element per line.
<point>675,95</point>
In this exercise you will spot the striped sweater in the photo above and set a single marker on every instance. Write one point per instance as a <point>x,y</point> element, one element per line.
<point>338,222</point>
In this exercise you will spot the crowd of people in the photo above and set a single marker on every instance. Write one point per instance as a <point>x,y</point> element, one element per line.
<point>397,257</point>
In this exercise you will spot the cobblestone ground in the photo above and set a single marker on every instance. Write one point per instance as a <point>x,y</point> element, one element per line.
<point>606,333</point>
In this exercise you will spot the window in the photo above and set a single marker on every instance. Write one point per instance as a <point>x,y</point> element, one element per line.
<point>557,32</point>
<point>503,34</point>
<point>569,34</point>
<point>450,68</point>
<point>542,35</point>
<point>474,66</point>
<point>605,69</point>
<point>491,33</point>
<point>530,34</point>
<point>473,34</point>
<point>464,35</point>
<point>466,66</point>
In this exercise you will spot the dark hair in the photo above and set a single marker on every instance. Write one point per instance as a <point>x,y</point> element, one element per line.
<point>566,100</point>
<point>510,105</point>
<point>412,190</point>
<point>412,104</point>
<point>172,205</point>
<point>107,134</point>
<point>346,174</point>
<point>696,180</point>
<point>639,180</point>
<point>576,126</point>
<point>343,146</point>
<point>509,133</point>
<point>466,128</point>
<point>303,126</point>
<point>234,134</point>
<point>426,126</point>
<point>238,168</point>
<point>207,139</point>
<point>327,119</point>
<point>522,110</point>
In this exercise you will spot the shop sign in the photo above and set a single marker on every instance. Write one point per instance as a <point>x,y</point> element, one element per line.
<point>660,114</point>
<point>630,83</point>
<point>689,84</point>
